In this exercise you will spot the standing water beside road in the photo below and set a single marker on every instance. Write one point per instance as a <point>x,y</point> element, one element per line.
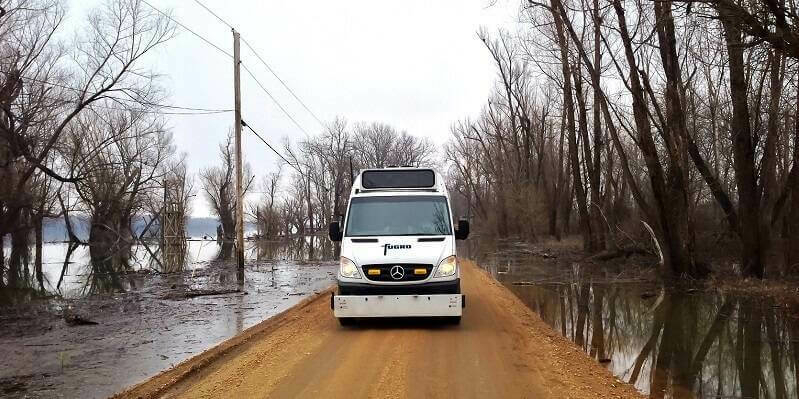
<point>668,342</point>
<point>149,316</point>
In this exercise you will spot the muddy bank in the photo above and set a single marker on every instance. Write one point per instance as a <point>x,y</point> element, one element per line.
<point>50,346</point>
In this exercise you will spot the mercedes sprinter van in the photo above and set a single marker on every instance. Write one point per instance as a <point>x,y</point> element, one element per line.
<point>398,254</point>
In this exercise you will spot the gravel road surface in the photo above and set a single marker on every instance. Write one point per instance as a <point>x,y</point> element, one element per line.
<point>501,350</point>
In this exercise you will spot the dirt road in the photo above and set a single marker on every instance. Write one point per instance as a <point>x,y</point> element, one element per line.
<point>501,349</point>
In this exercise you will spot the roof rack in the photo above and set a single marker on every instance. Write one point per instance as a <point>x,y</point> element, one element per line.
<point>422,189</point>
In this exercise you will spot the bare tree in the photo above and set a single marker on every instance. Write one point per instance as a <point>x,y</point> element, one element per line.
<point>219,187</point>
<point>669,122</point>
<point>123,157</point>
<point>265,212</point>
<point>378,145</point>
<point>46,84</point>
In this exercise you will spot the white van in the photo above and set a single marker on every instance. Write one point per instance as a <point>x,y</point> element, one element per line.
<point>398,256</point>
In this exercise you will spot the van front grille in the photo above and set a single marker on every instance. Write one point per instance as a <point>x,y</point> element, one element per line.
<point>409,272</point>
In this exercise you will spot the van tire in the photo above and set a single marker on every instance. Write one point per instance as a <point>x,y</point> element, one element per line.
<point>347,321</point>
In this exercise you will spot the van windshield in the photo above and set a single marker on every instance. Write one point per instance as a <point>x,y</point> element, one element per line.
<point>398,216</point>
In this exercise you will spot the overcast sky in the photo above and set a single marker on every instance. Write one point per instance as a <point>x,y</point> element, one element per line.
<point>415,64</point>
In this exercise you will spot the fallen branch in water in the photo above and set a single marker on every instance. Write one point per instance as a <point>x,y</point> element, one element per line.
<point>198,293</point>
<point>75,320</point>
<point>617,253</point>
<point>655,241</point>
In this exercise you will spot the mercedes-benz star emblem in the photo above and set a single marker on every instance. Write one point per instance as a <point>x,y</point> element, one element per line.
<point>397,272</point>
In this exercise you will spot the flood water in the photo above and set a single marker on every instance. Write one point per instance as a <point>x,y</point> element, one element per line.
<point>150,315</point>
<point>669,343</point>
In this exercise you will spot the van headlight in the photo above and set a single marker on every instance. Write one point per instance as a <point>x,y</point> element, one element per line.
<point>347,268</point>
<point>447,267</point>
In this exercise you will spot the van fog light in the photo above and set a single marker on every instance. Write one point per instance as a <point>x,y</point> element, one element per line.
<point>348,269</point>
<point>447,267</point>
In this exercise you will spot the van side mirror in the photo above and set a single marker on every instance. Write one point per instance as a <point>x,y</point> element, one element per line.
<point>462,232</point>
<point>334,231</point>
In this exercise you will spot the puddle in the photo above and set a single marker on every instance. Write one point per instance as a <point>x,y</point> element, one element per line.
<point>668,343</point>
<point>149,317</point>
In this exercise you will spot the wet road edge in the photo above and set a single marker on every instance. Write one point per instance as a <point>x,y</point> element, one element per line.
<point>158,385</point>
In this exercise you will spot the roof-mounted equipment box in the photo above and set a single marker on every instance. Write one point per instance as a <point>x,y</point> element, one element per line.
<point>398,178</point>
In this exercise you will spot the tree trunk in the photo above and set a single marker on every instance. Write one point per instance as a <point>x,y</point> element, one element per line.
<point>680,233</point>
<point>566,213</point>
<point>568,105</point>
<point>791,232</point>
<point>791,220</point>
<point>596,171</point>
<point>559,191</point>
<point>768,169</point>
<point>743,152</point>
<point>68,222</point>
<point>2,261</point>
<point>552,221</point>
<point>676,258</point>
<point>228,220</point>
<point>20,255</point>
<point>38,253</point>
<point>502,203</point>
<point>589,224</point>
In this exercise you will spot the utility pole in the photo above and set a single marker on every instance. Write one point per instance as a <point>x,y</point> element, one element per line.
<point>310,214</point>
<point>239,187</point>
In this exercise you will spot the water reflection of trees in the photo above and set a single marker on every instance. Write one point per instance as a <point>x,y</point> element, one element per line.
<point>296,248</point>
<point>22,283</point>
<point>677,344</point>
<point>101,270</point>
<point>307,248</point>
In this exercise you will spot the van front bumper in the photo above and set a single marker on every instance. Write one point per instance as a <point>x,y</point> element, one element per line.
<point>447,305</point>
<point>430,288</point>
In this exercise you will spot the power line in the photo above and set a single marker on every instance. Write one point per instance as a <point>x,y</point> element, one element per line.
<point>269,68</point>
<point>273,99</point>
<point>214,14</point>
<point>148,111</point>
<point>157,105</point>
<point>272,148</point>
<point>296,167</point>
<point>282,82</point>
<point>96,105</point>
<point>137,101</point>
<point>188,29</point>
<point>249,72</point>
